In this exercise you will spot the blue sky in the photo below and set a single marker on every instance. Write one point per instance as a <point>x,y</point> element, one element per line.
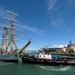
<point>45,22</point>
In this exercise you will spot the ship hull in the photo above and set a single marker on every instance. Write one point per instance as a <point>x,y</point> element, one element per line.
<point>13,57</point>
<point>15,61</point>
<point>48,62</point>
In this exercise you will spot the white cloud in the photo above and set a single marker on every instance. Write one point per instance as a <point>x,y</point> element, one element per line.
<point>51,4</point>
<point>59,46</point>
<point>68,30</point>
<point>33,29</point>
<point>2,12</point>
<point>42,32</point>
<point>54,13</point>
<point>56,21</point>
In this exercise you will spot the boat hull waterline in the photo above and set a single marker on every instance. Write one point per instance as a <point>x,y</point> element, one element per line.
<point>48,62</point>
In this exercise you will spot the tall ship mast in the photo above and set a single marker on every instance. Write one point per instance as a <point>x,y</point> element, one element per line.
<point>8,47</point>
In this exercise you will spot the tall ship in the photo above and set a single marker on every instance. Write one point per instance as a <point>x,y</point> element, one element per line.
<point>9,51</point>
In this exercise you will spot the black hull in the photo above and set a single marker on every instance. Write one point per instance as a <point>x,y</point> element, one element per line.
<point>14,61</point>
<point>47,62</point>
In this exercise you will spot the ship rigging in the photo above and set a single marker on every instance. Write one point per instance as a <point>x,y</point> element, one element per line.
<point>8,40</point>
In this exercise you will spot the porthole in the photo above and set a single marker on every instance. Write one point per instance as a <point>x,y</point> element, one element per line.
<point>15,55</point>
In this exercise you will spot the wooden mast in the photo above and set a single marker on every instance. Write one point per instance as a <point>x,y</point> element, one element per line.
<point>12,29</point>
<point>2,47</point>
<point>6,37</point>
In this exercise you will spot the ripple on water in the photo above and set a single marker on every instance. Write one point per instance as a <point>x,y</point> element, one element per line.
<point>5,63</point>
<point>55,68</point>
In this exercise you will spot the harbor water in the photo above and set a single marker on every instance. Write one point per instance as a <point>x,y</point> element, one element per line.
<point>32,69</point>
